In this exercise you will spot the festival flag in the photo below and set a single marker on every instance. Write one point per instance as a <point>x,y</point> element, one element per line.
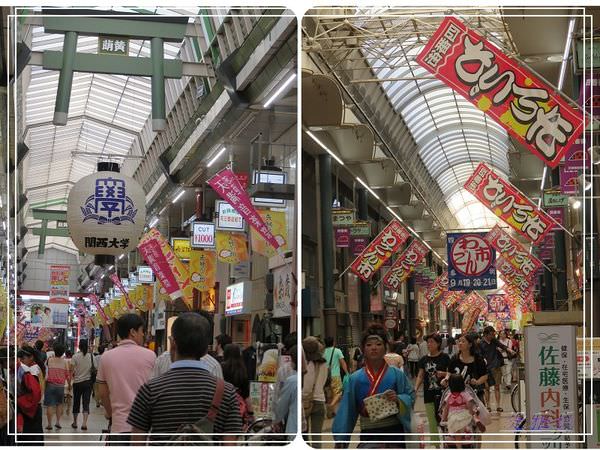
<point>529,109</point>
<point>440,285</point>
<point>379,250</point>
<point>470,262</point>
<point>513,252</point>
<point>231,247</point>
<point>277,225</point>
<point>405,264</point>
<point>117,282</point>
<point>506,202</point>
<point>203,269</point>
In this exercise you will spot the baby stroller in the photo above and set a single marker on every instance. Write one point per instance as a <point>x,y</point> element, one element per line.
<point>469,436</point>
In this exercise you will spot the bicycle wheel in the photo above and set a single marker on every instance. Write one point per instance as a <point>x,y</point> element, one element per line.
<point>514,399</point>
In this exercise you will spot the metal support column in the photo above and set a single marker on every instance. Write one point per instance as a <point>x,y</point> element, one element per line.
<point>365,288</point>
<point>560,256</point>
<point>159,118</point>
<point>326,194</point>
<point>65,79</point>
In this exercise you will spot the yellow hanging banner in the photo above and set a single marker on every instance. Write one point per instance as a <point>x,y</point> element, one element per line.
<point>277,224</point>
<point>231,247</point>
<point>203,269</point>
<point>162,293</point>
<point>182,247</point>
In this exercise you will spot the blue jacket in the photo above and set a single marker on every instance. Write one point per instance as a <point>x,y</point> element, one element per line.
<point>357,390</point>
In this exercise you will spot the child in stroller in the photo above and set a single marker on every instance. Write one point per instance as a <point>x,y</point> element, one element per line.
<point>460,414</point>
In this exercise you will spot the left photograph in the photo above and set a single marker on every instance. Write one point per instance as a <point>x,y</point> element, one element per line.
<point>148,205</point>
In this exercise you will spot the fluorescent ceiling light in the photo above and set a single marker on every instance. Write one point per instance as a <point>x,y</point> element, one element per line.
<point>368,188</point>
<point>103,275</point>
<point>217,156</point>
<point>111,267</point>
<point>162,211</point>
<point>577,204</point>
<point>154,222</point>
<point>177,197</point>
<point>563,66</point>
<point>280,90</point>
<point>324,147</point>
<point>121,257</point>
<point>4,224</point>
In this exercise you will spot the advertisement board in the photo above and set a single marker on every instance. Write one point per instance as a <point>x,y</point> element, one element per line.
<point>470,262</point>
<point>228,219</point>
<point>203,235</point>
<point>145,274</point>
<point>237,298</point>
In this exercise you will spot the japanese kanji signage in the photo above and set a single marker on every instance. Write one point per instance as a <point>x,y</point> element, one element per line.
<point>277,225</point>
<point>360,229</point>
<point>342,237</point>
<point>203,269</point>
<point>470,262</point>
<point>228,187</point>
<point>574,158</point>
<point>437,289</point>
<point>513,276</point>
<point>531,111</point>
<point>380,250</point>
<point>551,365</point>
<point>342,217</point>
<point>513,251</point>
<point>405,264</point>
<point>228,219</point>
<point>568,179</point>
<point>113,45</point>
<point>117,282</point>
<point>283,291</point>
<point>182,248</point>
<point>505,201</point>
<point>358,244</point>
<point>106,213</point>
<point>554,198</point>
<point>497,303</point>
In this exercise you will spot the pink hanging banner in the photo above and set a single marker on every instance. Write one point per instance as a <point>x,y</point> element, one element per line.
<point>152,253</point>
<point>405,264</point>
<point>530,110</point>
<point>227,185</point>
<point>511,250</point>
<point>117,282</point>
<point>96,303</point>
<point>440,285</point>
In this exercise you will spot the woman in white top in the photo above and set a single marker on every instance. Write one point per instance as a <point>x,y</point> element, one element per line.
<point>413,357</point>
<point>507,367</point>
<point>313,393</point>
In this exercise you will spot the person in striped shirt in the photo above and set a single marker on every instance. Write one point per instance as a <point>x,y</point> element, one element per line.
<point>59,373</point>
<point>184,394</point>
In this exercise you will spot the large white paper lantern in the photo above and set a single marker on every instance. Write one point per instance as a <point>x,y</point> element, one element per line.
<point>106,213</point>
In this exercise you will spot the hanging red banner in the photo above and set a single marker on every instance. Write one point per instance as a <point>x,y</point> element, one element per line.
<point>452,298</point>
<point>405,264</point>
<point>513,276</point>
<point>530,110</point>
<point>505,201</point>
<point>96,303</point>
<point>380,250</point>
<point>439,286</point>
<point>117,282</point>
<point>511,250</point>
<point>473,300</point>
<point>228,187</point>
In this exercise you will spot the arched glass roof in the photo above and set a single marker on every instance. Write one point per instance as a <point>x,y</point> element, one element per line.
<point>453,136</point>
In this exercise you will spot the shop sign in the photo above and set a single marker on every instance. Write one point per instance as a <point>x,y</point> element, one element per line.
<point>513,252</point>
<point>558,214</point>
<point>182,248</point>
<point>568,180</point>
<point>506,202</point>
<point>240,270</point>
<point>551,365</point>
<point>352,282</point>
<point>203,269</point>
<point>271,177</point>
<point>391,317</point>
<point>588,350</point>
<point>342,237</point>
<point>283,291</point>
<point>113,45</point>
<point>358,244</point>
<point>470,262</point>
<point>497,303</point>
<point>228,219</point>
<point>574,158</point>
<point>380,250</point>
<point>227,186</point>
<point>342,217</point>
<point>117,282</point>
<point>145,274</point>
<point>439,286</point>
<point>56,313</point>
<point>405,264</point>
<point>530,110</point>
<point>554,198</point>
<point>232,247</point>
<point>203,235</point>
<point>236,296</point>
<point>360,229</point>
<point>106,213</point>
<point>159,316</point>
<point>592,55</point>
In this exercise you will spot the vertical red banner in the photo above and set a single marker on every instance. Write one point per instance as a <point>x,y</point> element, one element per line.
<point>405,264</point>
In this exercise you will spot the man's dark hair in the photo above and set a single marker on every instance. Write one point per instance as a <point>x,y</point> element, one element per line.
<point>223,340</point>
<point>190,333</point>
<point>59,349</point>
<point>39,345</point>
<point>436,337</point>
<point>413,340</point>
<point>328,341</point>
<point>83,346</point>
<point>489,330</point>
<point>127,322</point>
<point>374,329</point>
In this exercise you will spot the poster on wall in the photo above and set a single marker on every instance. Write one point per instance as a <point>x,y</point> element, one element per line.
<point>470,262</point>
<point>283,291</point>
<point>55,314</point>
<point>528,108</point>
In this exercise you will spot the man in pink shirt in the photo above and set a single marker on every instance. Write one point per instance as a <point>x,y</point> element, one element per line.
<point>123,371</point>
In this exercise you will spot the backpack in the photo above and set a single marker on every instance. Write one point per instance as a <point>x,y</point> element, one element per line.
<point>201,430</point>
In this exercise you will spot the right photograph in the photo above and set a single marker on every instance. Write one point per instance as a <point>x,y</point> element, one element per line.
<point>449,170</point>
